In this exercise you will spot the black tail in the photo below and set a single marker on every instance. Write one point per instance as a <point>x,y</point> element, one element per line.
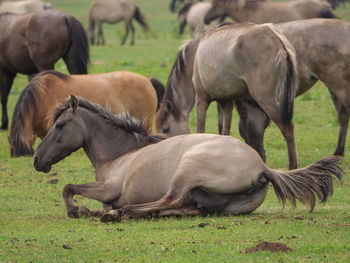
<point>326,12</point>
<point>304,184</point>
<point>159,87</point>
<point>141,19</point>
<point>77,56</point>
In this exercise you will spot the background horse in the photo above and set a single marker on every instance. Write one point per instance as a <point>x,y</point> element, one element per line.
<point>174,2</point>
<point>261,63</point>
<point>192,14</point>
<point>23,7</point>
<point>122,91</point>
<point>262,11</point>
<point>141,175</point>
<point>112,12</point>
<point>328,60</point>
<point>35,42</point>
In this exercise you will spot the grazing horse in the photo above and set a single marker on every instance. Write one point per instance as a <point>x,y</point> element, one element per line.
<point>323,53</point>
<point>140,175</point>
<point>112,12</point>
<point>192,14</point>
<point>173,4</point>
<point>263,12</point>
<point>122,91</point>
<point>23,7</point>
<point>35,42</point>
<point>228,63</point>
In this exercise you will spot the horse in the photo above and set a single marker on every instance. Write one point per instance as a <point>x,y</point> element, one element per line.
<point>230,62</point>
<point>112,12</point>
<point>319,58</point>
<point>35,42</point>
<point>192,14</point>
<point>140,175</point>
<point>173,4</point>
<point>263,11</point>
<point>122,91</point>
<point>23,7</point>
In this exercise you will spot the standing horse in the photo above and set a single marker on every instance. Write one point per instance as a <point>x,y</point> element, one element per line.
<point>193,174</point>
<point>122,91</point>
<point>173,4</point>
<point>323,53</point>
<point>262,11</point>
<point>192,14</point>
<point>35,42</point>
<point>231,62</point>
<point>23,7</point>
<point>112,12</point>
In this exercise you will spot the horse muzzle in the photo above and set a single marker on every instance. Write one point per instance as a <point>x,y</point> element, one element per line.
<point>41,166</point>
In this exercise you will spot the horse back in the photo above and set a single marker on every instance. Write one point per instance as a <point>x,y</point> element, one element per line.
<point>112,11</point>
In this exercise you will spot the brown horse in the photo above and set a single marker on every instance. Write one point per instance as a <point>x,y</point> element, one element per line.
<point>112,12</point>
<point>229,63</point>
<point>173,4</point>
<point>141,175</point>
<point>24,6</point>
<point>263,11</point>
<point>122,91</point>
<point>35,42</point>
<point>323,53</point>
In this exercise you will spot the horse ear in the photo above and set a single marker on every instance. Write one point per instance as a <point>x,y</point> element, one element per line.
<point>168,106</point>
<point>73,103</point>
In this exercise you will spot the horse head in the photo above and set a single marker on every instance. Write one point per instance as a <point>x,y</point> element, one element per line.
<point>65,137</point>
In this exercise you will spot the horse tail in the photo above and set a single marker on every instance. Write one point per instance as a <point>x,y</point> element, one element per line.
<point>25,108</point>
<point>326,11</point>
<point>287,84</point>
<point>159,87</point>
<point>140,18</point>
<point>78,52</point>
<point>306,183</point>
<point>91,28</point>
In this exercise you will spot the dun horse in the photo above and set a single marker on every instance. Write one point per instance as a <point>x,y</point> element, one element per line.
<point>263,11</point>
<point>122,91</point>
<point>228,63</point>
<point>23,7</point>
<point>173,4</point>
<point>192,14</point>
<point>112,12</point>
<point>141,175</point>
<point>35,42</point>
<point>328,60</point>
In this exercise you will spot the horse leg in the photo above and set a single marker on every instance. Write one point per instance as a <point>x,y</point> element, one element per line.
<point>6,80</point>
<point>96,190</point>
<point>132,33</point>
<point>252,124</point>
<point>220,117</point>
<point>226,108</point>
<point>343,117</point>
<point>202,104</point>
<point>126,32</point>
<point>100,35</point>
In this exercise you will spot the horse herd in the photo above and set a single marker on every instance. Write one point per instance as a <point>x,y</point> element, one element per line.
<point>257,68</point>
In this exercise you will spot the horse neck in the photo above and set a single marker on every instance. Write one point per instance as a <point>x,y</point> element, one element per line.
<point>104,142</point>
<point>245,13</point>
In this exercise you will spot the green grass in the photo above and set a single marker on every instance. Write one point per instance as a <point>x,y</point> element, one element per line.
<point>34,226</point>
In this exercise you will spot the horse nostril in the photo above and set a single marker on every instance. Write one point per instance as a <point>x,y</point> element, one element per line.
<point>36,159</point>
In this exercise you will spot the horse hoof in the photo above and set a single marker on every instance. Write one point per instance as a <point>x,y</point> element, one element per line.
<point>4,127</point>
<point>73,213</point>
<point>111,216</point>
<point>84,212</point>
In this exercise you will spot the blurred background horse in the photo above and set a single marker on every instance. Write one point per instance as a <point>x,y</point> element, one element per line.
<point>23,7</point>
<point>35,42</point>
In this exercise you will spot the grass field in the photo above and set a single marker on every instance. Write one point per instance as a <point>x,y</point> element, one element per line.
<point>33,222</point>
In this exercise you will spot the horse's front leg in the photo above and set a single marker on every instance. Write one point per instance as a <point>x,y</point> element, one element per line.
<point>6,80</point>
<point>126,33</point>
<point>97,190</point>
<point>225,110</point>
<point>201,108</point>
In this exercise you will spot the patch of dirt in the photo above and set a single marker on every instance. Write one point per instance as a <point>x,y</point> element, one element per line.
<point>53,181</point>
<point>269,246</point>
<point>203,224</point>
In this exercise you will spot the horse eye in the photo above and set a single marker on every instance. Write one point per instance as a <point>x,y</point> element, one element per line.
<point>166,130</point>
<point>59,125</point>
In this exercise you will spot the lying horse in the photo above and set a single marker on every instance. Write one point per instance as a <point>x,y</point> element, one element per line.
<point>263,11</point>
<point>122,91</point>
<point>228,63</point>
<point>23,7</point>
<point>141,175</point>
<point>35,42</point>
<point>112,12</point>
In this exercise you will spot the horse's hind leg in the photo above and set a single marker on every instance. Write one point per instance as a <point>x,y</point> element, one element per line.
<point>6,80</point>
<point>100,35</point>
<point>132,33</point>
<point>343,117</point>
<point>225,109</point>
<point>127,24</point>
